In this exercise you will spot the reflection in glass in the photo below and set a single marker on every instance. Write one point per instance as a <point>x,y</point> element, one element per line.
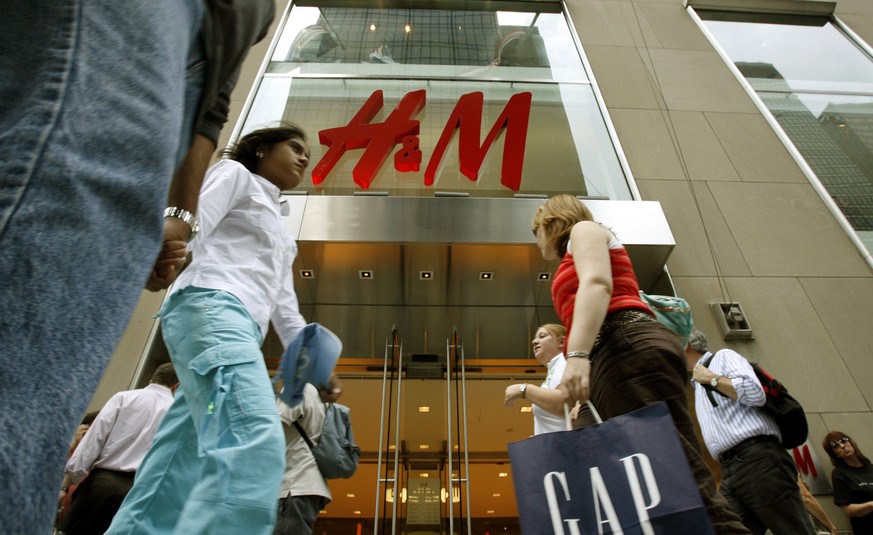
<point>819,86</point>
<point>365,41</point>
<point>814,55</point>
<point>567,150</point>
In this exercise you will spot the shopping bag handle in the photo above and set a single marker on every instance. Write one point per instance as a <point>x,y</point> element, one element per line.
<point>594,413</point>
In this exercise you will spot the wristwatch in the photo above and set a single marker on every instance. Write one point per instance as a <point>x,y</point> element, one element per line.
<point>521,389</point>
<point>714,382</point>
<point>186,216</point>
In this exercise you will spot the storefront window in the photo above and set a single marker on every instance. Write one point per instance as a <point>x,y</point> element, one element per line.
<point>328,63</point>
<point>818,84</point>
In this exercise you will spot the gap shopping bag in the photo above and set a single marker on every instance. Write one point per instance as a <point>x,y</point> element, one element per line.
<point>627,475</point>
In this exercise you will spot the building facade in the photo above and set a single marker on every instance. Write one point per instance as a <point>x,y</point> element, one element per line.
<point>755,184</point>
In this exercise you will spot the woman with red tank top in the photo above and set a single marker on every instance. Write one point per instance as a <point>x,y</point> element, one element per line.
<point>618,355</point>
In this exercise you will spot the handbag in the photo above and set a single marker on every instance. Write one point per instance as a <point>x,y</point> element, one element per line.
<point>626,475</point>
<point>674,312</point>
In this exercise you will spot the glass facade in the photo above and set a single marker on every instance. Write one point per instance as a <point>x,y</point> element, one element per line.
<point>818,84</point>
<point>331,65</point>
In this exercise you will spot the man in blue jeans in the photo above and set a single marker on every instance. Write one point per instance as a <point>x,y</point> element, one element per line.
<point>99,102</point>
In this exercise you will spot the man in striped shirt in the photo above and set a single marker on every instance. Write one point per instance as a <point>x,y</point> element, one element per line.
<point>759,478</point>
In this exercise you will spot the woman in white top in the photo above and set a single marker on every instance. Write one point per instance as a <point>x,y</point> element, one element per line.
<point>217,460</point>
<point>547,401</point>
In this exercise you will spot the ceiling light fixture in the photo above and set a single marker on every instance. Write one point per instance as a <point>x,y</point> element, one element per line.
<point>307,274</point>
<point>425,275</point>
<point>423,408</point>
<point>365,274</point>
<point>486,275</point>
<point>544,276</point>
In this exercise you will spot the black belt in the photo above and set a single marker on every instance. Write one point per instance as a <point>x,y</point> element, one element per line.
<point>616,320</point>
<point>730,453</point>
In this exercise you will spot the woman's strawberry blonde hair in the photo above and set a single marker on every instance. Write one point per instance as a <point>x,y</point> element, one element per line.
<point>557,216</point>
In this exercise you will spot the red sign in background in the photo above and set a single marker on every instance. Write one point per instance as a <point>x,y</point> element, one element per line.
<point>400,127</point>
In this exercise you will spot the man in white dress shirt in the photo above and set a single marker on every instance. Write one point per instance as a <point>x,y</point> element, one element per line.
<point>112,450</point>
<point>304,489</point>
<point>759,478</point>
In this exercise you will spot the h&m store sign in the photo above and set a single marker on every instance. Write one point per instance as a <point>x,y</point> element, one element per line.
<point>379,140</point>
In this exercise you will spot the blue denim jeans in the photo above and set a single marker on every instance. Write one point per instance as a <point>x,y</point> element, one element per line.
<point>91,110</point>
<point>218,457</point>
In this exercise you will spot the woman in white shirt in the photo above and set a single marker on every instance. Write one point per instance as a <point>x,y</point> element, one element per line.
<point>217,460</point>
<point>547,401</point>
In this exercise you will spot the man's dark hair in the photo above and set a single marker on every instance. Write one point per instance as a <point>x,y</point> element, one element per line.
<point>165,375</point>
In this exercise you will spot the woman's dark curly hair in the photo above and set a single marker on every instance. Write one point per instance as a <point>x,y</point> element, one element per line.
<point>833,436</point>
<point>245,151</point>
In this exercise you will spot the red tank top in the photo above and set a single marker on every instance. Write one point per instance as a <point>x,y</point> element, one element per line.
<point>625,288</point>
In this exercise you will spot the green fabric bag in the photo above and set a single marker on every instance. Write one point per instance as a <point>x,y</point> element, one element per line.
<point>674,312</point>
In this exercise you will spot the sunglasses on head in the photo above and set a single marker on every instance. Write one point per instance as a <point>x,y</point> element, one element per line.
<point>836,443</point>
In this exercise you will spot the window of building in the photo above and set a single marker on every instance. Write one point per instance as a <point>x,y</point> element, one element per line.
<point>818,85</point>
<point>326,62</point>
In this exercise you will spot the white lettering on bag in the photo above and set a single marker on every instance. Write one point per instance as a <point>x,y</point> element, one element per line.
<point>606,515</point>
<point>637,491</point>
<point>601,498</point>
<point>552,499</point>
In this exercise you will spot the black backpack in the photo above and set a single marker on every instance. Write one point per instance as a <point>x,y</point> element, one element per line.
<point>781,405</point>
<point>336,453</point>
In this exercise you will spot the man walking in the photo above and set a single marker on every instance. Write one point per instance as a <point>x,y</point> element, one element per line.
<point>112,450</point>
<point>759,478</point>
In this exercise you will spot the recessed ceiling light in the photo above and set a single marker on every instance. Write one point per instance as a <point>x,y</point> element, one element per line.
<point>350,495</point>
<point>365,274</point>
<point>526,408</point>
<point>489,512</point>
<point>503,474</point>
<point>356,512</point>
<point>424,474</point>
<point>544,276</point>
<point>495,494</point>
<point>424,408</point>
<point>425,275</point>
<point>372,27</point>
<point>307,274</point>
<point>424,446</point>
<point>486,275</point>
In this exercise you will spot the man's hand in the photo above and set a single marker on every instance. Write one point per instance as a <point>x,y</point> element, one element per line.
<point>575,383</point>
<point>172,257</point>
<point>702,375</point>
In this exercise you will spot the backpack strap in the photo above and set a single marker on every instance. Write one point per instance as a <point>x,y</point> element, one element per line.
<point>303,433</point>
<point>709,388</point>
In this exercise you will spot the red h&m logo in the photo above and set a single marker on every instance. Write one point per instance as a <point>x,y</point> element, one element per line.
<point>379,139</point>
